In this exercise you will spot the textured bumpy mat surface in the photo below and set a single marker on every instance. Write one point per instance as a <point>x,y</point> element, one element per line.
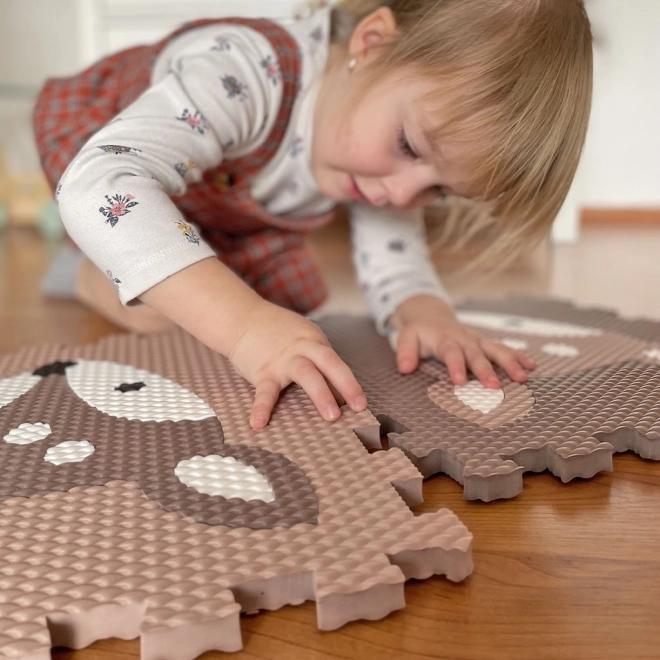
<point>136,501</point>
<point>595,391</point>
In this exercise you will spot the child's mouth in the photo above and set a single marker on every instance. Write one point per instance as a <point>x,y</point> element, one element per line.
<point>354,191</point>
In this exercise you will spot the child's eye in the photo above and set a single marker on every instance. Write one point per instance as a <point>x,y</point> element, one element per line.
<point>439,191</point>
<point>404,145</point>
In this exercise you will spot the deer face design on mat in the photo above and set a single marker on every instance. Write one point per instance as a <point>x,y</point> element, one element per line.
<point>90,422</point>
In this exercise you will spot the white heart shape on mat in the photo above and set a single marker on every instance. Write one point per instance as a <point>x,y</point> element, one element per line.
<point>477,397</point>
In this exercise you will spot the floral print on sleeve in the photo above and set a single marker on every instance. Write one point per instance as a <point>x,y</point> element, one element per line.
<point>297,147</point>
<point>118,206</point>
<point>188,231</point>
<point>112,277</point>
<point>316,35</point>
<point>292,187</point>
<point>184,168</point>
<point>119,149</point>
<point>234,87</point>
<point>196,121</point>
<point>272,69</point>
<point>222,44</point>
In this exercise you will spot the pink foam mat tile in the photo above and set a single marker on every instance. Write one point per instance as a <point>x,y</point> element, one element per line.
<point>595,391</point>
<point>137,501</point>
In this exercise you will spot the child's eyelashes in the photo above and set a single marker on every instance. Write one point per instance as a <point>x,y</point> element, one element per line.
<point>404,145</point>
<point>408,151</point>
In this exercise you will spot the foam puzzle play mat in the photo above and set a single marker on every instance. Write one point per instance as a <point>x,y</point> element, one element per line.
<point>137,502</point>
<point>595,391</point>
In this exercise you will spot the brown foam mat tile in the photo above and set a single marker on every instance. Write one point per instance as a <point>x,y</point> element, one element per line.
<point>135,500</point>
<point>596,390</point>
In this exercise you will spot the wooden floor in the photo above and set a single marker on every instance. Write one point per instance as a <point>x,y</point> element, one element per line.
<point>563,571</point>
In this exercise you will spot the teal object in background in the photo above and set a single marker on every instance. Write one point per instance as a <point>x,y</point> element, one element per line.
<point>50,224</point>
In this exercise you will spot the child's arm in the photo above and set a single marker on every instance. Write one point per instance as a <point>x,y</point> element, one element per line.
<point>115,196</point>
<point>269,346</point>
<point>115,202</point>
<point>406,296</point>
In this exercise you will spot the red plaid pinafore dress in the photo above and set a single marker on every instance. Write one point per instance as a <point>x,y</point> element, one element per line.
<point>268,252</point>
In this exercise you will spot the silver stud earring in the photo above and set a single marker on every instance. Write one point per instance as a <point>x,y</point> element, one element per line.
<point>351,64</point>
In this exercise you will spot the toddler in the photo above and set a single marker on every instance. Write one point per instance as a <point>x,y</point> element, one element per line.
<point>189,172</point>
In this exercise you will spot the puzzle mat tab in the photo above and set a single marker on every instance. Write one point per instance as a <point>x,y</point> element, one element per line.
<point>136,501</point>
<point>596,390</point>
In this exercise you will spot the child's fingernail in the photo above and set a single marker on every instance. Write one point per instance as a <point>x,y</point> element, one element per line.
<point>360,402</point>
<point>259,421</point>
<point>332,412</point>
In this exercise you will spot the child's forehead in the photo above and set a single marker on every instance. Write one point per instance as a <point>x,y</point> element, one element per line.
<point>434,102</point>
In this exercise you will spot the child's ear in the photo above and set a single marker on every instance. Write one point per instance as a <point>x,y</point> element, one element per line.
<point>373,30</point>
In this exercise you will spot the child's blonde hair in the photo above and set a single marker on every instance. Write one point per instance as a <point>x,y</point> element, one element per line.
<point>515,81</point>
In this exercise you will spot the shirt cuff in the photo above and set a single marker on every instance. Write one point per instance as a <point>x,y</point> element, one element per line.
<point>158,268</point>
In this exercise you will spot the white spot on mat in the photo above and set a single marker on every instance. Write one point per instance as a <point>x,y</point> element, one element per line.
<point>12,388</point>
<point>26,433</point>
<point>515,344</point>
<point>653,354</point>
<point>526,325</point>
<point>224,476</point>
<point>71,451</point>
<point>560,350</point>
<point>477,397</point>
<point>158,399</point>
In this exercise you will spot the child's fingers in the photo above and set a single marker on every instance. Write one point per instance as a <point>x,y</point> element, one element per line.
<point>454,358</point>
<point>482,367</point>
<point>265,398</point>
<point>507,359</point>
<point>407,351</point>
<point>306,374</point>
<point>339,376</point>
<point>526,362</point>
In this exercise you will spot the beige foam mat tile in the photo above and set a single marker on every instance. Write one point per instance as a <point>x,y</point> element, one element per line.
<point>596,390</point>
<point>111,524</point>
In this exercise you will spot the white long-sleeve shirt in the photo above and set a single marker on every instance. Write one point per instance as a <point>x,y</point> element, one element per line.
<point>214,95</point>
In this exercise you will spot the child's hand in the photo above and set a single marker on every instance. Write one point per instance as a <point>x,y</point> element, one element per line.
<point>428,327</point>
<point>280,347</point>
<point>268,345</point>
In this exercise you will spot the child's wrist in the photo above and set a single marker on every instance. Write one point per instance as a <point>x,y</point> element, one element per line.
<point>220,310</point>
<point>419,307</point>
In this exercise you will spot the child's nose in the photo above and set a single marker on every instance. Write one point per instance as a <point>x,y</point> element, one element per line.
<point>404,189</point>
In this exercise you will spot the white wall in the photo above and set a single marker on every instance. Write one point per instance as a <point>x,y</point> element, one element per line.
<point>622,159</point>
<point>37,38</point>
